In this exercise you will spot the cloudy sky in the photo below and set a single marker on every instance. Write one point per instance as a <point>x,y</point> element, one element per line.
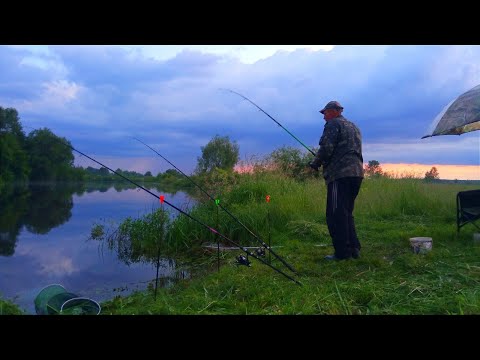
<point>170,97</point>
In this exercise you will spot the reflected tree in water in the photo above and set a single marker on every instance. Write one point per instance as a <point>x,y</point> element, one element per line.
<point>14,206</point>
<point>42,207</point>
<point>39,208</point>
<point>49,207</point>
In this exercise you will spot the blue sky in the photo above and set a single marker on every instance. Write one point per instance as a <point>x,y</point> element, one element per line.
<point>169,97</point>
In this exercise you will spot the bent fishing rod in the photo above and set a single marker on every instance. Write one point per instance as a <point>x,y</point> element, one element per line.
<point>224,209</point>
<point>258,107</point>
<point>186,214</point>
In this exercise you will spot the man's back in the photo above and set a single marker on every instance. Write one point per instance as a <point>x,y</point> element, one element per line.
<point>346,159</point>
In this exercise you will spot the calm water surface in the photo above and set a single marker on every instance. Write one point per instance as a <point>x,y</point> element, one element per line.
<point>45,239</point>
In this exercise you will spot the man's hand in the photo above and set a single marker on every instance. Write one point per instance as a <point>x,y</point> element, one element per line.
<point>313,166</point>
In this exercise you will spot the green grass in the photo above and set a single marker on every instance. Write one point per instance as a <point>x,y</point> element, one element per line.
<point>9,308</point>
<point>387,279</point>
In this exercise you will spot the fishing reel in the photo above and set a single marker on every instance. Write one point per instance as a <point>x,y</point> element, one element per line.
<point>260,251</point>
<point>242,260</point>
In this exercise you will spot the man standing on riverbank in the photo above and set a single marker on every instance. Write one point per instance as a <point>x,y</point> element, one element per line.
<point>340,154</point>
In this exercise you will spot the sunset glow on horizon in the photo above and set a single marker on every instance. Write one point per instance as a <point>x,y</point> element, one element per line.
<point>446,172</point>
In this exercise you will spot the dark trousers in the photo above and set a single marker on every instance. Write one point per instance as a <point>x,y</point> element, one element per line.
<point>341,195</point>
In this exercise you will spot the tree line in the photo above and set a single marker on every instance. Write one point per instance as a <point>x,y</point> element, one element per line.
<point>40,156</point>
<point>36,157</point>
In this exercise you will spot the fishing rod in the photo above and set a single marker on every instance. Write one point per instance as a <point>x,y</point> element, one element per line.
<point>305,146</point>
<point>184,213</point>
<point>224,209</point>
<point>158,253</point>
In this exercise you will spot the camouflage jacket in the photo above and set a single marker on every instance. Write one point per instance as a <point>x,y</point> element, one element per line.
<point>340,151</point>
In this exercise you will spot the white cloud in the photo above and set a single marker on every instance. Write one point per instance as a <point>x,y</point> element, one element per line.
<point>247,54</point>
<point>62,91</point>
<point>43,58</point>
<point>52,262</point>
<point>55,96</point>
<point>455,63</point>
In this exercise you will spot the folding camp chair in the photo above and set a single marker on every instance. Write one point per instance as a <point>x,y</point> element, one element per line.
<point>468,208</point>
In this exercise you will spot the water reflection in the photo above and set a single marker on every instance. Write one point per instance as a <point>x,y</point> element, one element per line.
<point>44,232</point>
<point>11,212</point>
<point>42,207</point>
<point>47,207</point>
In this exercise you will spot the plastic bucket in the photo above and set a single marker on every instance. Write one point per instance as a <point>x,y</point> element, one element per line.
<point>476,239</point>
<point>421,245</point>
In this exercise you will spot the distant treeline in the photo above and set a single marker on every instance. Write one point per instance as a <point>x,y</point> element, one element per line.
<point>456,181</point>
<point>40,156</point>
<point>169,177</point>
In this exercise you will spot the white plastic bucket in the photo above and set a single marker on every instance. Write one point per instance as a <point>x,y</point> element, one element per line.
<point>476,238</point>
<point>421,245</point>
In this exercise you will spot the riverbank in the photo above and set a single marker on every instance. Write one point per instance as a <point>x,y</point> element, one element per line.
<point>387,279</point>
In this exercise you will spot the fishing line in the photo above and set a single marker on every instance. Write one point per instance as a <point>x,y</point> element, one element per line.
<point>224,209</point>
<point>184,213</point>
<point>258,107</point>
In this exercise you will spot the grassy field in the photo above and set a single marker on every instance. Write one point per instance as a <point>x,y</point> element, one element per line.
<point>388,278</point>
